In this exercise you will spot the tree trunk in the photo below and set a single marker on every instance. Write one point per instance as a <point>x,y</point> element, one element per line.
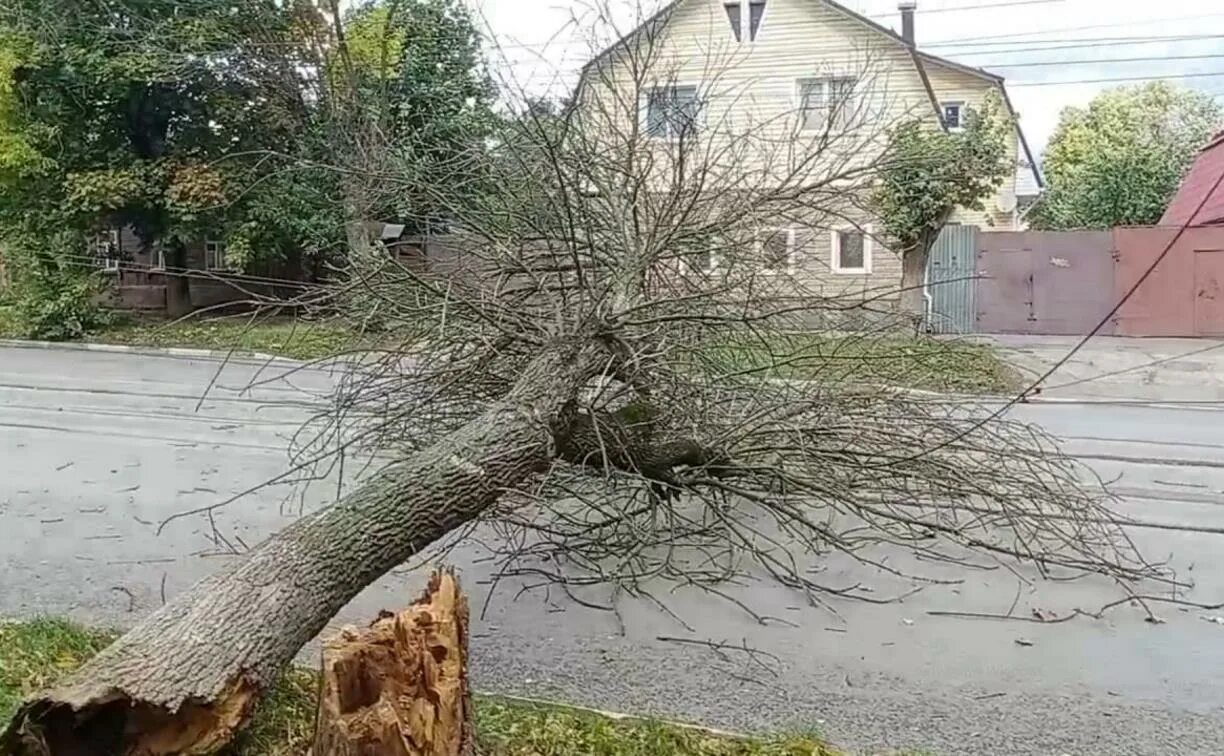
<point>185,679</point>
<point>178,287</point>
<point>399,688</point>
<point>913,278</point>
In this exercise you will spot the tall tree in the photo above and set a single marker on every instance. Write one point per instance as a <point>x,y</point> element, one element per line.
<point>152,115</point>
<point>1119,161</point>
<point>409,95</point>
<point>927,174</point>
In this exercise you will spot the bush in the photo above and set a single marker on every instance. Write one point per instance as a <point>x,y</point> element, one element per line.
<point>55,292</point>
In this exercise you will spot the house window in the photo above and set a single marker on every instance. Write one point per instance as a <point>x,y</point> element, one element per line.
<point>733,15</point>
<point>105,248</point>
<point>826,103</point>
<point>756,10</point>
<point>851,250</point>
<point>952,115</point>
<point>776,248</point>
<point>214,255</point>
<point>671,112</point>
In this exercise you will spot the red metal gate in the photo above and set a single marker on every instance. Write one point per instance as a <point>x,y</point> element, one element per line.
<point>1209,292</point>
<point>1044,282</point>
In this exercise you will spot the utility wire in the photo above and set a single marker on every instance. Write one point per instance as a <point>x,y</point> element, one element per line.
<point>979,39</point>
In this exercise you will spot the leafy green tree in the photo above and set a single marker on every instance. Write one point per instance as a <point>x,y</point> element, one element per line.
<point>153,115</point>
<point>1119,161</point>
<point>412,92</point>
<point>926,174</point>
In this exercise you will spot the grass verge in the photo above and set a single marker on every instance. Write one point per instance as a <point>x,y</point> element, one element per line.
<point>35,653</point>
<point>870,358</point>
<point>285,338</point>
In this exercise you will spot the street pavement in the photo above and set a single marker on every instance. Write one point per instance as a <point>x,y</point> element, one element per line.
<point>98,448</point>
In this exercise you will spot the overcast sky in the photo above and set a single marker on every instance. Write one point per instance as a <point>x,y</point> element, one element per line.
<point>1054,53</point>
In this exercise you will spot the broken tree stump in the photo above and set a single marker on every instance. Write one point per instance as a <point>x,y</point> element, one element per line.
<point>399,687</point>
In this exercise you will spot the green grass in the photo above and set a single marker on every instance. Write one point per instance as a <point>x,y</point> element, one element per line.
<point>287,338</point>
<point>33,654</point>
<point>872,359</point>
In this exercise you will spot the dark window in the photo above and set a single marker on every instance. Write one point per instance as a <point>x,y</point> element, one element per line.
<point>756,9</point>
<point>733,15</point>
<point>671,112</point>
<point>850,250</point>
<point>952,115</point>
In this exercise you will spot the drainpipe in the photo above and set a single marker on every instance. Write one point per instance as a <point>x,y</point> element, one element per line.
<point>926,295</point>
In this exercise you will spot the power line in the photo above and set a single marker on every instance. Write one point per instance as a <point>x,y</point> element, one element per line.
<point>1110,79</point>
<point>1072,44</point>
<point>1143,59</point>
<point>978,6</point>
<point>977,39</point>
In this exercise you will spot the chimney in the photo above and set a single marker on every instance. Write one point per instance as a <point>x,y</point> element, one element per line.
<point>907,8</point>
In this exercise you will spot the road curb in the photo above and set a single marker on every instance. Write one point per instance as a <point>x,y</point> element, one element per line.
<point>179,352</point>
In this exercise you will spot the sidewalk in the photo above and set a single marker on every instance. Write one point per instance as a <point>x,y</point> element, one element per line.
<point>1117,368</point>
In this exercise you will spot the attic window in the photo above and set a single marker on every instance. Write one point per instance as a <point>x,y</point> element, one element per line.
<point>756,10</point>
<point>733,15</point>
<point>952,115</point>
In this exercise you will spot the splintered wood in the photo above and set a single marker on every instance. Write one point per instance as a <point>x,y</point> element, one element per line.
<point>399,687</point>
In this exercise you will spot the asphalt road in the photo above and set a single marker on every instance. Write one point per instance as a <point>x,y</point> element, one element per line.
<point>98,448</point>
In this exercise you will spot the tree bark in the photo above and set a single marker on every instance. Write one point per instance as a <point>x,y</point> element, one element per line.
<point>178,287</point>
<point>913,278</point>
<point>399,688</point>
<point>186,678</point>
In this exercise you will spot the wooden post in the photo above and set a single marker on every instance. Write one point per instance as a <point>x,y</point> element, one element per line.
<point>399,688</point>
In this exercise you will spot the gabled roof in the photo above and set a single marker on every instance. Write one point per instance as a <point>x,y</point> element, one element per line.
<point>920,59</point>
<point>1203,177</point>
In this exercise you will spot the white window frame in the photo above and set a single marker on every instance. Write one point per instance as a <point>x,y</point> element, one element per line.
<point>219,249</point>
<point>758,242</point>
<point>645,111</point>
<point>835,250</point>
<point>960,114</point>
<point>825,82</point>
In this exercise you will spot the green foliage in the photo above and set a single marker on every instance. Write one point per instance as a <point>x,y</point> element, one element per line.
<point>1120,160</point>
<point>423,88</point>
<point>928,172</point>
<point>55,297</point>
<point>102,126</point>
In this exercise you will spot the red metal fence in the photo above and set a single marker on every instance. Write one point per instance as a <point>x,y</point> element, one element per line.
<point>1184,295</point>
<point>1065,282</point>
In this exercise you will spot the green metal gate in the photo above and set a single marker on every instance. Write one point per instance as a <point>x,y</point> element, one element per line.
<point>952,281</point>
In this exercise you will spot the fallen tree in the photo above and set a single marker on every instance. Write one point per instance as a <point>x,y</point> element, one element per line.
<point>188,676</point>
<point>626,359</point>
